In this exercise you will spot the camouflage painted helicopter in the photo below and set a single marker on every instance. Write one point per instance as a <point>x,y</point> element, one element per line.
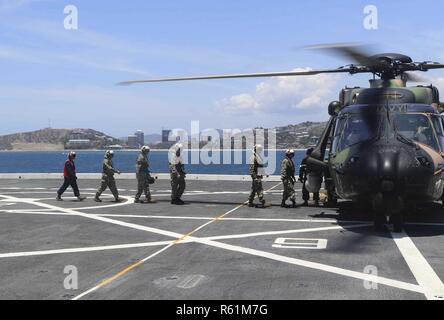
<point>383,145</point>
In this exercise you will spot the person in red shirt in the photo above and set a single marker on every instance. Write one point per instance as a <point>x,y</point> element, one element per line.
<point>70,178</point>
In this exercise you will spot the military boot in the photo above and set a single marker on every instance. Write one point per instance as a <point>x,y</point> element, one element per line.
<point>263,204</point>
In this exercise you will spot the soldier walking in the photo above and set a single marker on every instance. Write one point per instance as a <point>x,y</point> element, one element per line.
<point>143,176</point>
<point>70,178</point>
<point>288,179</point>
<point>108,181</point>
<point>178,175</point>
<point>303,173</point>
<point>256,173</point>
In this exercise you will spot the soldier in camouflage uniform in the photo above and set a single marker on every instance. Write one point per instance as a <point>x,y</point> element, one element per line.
<point>177,173</point>
<point>256,173</point>
<point>303,177</point>
<point>288,179</point>
<point>108,180</point>
<point>143,176</point>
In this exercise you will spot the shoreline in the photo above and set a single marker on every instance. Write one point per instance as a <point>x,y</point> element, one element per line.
<point>136,150</point>
<point>132,176</point>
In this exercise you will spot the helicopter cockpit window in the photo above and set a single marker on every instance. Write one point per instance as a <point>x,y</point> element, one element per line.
<point>437,123</point>
<point>416,127</point>
<point>439,129</point>
<point>353,129</point>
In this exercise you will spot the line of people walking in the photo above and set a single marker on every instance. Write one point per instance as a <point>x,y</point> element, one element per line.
<point>288,179</point>
<point>143,176</point>
<point>178,175</point>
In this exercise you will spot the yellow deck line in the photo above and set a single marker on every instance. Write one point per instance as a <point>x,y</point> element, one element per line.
<point>136,264</point>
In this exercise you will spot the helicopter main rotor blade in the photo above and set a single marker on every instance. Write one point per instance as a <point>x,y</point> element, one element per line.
<point>432,66</point>
<point>411,77</point>
<point>358,53</point>
<point>244,75</point>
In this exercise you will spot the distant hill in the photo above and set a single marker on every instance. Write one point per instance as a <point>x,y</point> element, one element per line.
<point>153,138</point>
<point>55,139</point>
<point>300,136</point>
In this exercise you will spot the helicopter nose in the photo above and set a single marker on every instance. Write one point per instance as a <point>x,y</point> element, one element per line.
<point>385,164</point>
<point>393,167</point>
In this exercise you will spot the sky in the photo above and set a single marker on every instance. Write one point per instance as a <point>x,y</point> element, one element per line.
<point>66,78</point>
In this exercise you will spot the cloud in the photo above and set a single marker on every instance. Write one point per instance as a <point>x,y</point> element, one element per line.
<point>83,59</point>
<point>282,94</point>
<point>439,83</point>
<point>13,4</point>
<point>92,50</point>
<point>103,47</point>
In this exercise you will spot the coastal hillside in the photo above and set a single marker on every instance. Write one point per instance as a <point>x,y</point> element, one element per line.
<point>300,136</point>
<point>56,139</point>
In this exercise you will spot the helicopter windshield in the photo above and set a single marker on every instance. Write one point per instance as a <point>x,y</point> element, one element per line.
<point>417,127</point>
<point>352,129</point>
<point>439,129</point>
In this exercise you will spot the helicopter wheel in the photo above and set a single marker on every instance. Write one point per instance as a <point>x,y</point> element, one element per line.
<point>333,203</point>
<point>379,213</point>
<point>397,221</point>
<point>379,221</point>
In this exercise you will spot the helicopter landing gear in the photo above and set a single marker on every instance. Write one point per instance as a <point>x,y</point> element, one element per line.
<point>379,221</point>
<point>397,220</point>
<point>442,200</point>
<point>388,206</point>
<point>332,197</point>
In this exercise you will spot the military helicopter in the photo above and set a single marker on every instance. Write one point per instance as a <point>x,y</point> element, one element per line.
<point>383,145</point>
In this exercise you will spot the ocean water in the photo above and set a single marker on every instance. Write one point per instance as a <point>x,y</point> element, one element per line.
<point>91,161</point>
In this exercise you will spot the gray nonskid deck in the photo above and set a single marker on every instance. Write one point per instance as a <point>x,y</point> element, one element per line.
<point>211,248</point>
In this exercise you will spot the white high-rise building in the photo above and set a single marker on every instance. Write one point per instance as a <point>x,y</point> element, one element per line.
<point>140,137</point>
